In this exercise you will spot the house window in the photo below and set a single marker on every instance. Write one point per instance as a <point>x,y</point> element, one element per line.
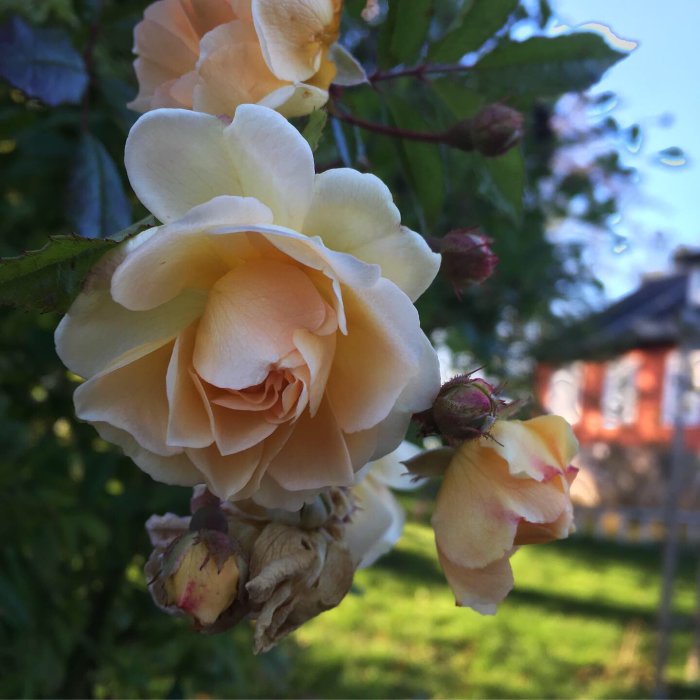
<point>564,393</point>
<point>669,399</point>
<point>618,403</point>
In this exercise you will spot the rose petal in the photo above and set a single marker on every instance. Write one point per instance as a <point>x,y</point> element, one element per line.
<point>226,475</point>
<point>378,357</point>
<point>355,213</point>
<point>557,434</point>
<point>273,161</point>
<point>377,524</point>
<point>295,100</point>
<point>176,159</point>
<point>177,469</point>
<point>480,505</point>
<point>390,470</point>
<point>182,256</point>
<point>97,333</point>
<point>307,462</point>
<point>318,352</point>
<point>234,349</point>
<point>481,589</point>
<point>232,70</point>
<point>132,398</point>
<point>294,33</point>
<point>527,453</point>
<point>189,421</point>
<point>166,37</point>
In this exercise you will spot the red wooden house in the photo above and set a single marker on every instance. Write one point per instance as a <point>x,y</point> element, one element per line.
<point>616,377</point>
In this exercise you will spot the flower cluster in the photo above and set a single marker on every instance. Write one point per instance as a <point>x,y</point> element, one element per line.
<point>262,344</point>
<point>213,55</point>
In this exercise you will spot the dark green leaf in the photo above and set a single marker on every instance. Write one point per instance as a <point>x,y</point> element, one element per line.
<point>544,66</point>
<point>503,181</point>
<point>481,22</point>
<point>459,100</point>
<point>314,127</point>
<point>50,278</point>
<point>404,32</point>
<point>42,62</point>
<point>97,203</point>
<point>423,161</point>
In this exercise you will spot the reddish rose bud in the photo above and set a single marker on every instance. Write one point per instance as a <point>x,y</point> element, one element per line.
<point>465,408</point>
<point>492,131</point>
<point>199,575</point>
<point>467,257</point>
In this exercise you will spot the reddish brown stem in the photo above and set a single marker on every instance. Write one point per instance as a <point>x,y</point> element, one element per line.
<point>420,71</point>
<point>388,130</point>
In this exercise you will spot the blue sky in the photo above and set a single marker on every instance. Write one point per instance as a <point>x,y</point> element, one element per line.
<point>660,77</point>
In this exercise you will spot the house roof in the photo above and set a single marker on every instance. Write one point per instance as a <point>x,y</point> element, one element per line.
<point>650,316</point>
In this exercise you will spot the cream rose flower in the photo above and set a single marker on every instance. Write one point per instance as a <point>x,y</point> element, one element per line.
<point>213,55</point>
<point>263,340</point>
<point>498,493</point>
<point>377,523</point>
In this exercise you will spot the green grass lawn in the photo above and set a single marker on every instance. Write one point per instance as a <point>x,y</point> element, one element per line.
<point>578,625</point>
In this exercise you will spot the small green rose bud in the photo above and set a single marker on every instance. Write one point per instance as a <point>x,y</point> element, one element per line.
<point>492,131</point>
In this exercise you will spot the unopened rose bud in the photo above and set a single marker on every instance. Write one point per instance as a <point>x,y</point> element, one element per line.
<point>492,131</point>
<point>200,575</point>
<point>467,257</point>
<point>465,408</point>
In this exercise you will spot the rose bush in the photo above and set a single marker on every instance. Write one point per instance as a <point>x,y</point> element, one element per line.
<point>213,55</point>
<point>499,492</point>
<point>263,340</point>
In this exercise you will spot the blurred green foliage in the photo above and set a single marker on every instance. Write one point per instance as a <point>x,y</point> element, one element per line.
<point>75,617</point>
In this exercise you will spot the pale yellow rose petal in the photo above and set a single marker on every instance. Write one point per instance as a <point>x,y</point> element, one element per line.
<point>151,77</point>
<point>242,9</point>
<point>204,15</point>
<point>189,419</point>
<point>234,349</point>
<point>480,506</point>
<point>132,398</point>
<point>177,159</point>
<point>557,434</point>
<point>236,431</point>
<point>182,256</point>
<point>389,433</point>
<point>390,470</point>
<point>293,34</point>
<point>377,358</point>
<point>355,213</point>
<point>174,48</point>
<point>226,475</point>
<point>295,100</point>
<point>307,462</point>
<point>97,333</point>
<point>318,352</point>
<point>232,70</point>
<point>181,91</point>
<point>480,589</point>
<point>273,161</point>
<point>270,494</point>
<point>177,469</point>
<point>377,523</point>
<point>527,454</point>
